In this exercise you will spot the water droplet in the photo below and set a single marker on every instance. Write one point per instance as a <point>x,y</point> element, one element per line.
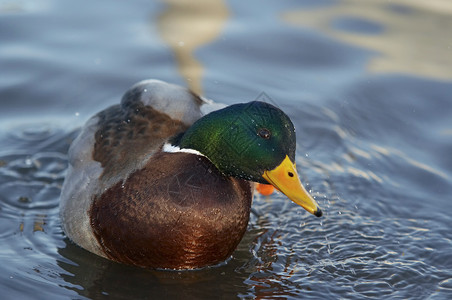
<point>328,245</point>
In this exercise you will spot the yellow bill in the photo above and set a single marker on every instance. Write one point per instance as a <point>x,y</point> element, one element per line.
<point>285,178</point>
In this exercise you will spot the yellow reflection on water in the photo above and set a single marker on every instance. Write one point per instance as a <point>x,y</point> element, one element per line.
<point>415,35</point>
<point>188,25</point>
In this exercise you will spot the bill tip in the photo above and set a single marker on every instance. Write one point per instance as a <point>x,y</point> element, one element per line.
<point>318,212</point>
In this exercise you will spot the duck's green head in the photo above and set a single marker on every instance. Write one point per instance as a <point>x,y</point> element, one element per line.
<point>253,141</point>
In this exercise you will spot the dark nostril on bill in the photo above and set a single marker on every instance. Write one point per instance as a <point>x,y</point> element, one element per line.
<point>290,174</point>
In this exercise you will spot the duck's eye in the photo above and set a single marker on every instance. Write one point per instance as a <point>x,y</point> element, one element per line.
<point>264,133</point>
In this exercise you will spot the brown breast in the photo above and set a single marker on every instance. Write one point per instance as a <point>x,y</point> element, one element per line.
<point>177,212</point>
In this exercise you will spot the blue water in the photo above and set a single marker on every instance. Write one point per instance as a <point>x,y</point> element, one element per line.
<point>368,85</point>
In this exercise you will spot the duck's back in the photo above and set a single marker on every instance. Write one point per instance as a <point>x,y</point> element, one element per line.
<point>118,141</point>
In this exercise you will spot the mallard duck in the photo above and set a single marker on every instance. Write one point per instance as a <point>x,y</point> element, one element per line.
<point>159,181</point>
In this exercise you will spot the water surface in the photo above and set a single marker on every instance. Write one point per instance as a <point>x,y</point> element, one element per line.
<point>368,86</point>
